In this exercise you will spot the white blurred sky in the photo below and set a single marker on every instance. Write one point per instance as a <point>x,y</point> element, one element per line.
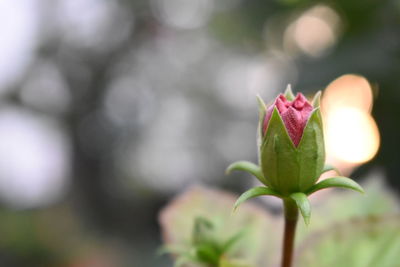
<point>33,150</point>
<point>18,38</point>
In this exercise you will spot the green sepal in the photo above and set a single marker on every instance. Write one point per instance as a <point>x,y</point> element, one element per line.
<point>288,93</point>
<point>261,104</point>
<point>316,102</point>
<point>247,167</point>
<point>288,169</point>
<point>255,192</point>
<point>262,110</point>
<point>329,167</point>
<point>338,181</point>
<point>279,157</point>
<point>303,204</point>
<point>311,152</point>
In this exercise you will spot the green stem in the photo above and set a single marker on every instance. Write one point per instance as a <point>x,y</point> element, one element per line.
<point>291,214</point>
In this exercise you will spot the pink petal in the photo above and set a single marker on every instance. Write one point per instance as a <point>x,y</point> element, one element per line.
<point>281,105</point>
<point>294,114</point>
<point>294,124</point>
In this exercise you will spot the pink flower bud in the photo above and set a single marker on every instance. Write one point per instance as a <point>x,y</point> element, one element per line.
<point>294,114</point>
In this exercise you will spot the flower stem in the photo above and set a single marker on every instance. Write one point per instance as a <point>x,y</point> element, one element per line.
<point>291,214</point>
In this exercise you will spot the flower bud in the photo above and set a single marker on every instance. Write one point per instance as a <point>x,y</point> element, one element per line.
<point>291,154</point>
<point>291,143</point>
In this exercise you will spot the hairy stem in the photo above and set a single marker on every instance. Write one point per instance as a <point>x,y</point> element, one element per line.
<point>291,214</point>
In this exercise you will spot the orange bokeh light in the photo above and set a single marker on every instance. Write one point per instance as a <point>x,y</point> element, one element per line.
<point>351,134</point>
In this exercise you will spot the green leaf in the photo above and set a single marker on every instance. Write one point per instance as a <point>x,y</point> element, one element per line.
<point>338,181</point>
<point>255,192</point>
<point>232,240</point>
<point>329,167</point>
<point>316,102</point>
<point>247,167</point>
<point>170,249</point>
<point>207,253</point>
<point>303,204</point>
<point>184,259</point>
<point>203,231</point>
<point>288,93</point>
<point>228,262</point>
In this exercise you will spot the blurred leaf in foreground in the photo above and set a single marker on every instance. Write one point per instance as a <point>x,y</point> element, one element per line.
<point>368,241</point>
<point>336,205</point>
<point>255,246</point>
<point>349,231</point>
<point>346,229</point>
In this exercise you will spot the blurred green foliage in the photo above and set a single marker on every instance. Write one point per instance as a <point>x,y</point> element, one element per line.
<point>345,228</point>
<point>363,242</point>
<point>204,247</point>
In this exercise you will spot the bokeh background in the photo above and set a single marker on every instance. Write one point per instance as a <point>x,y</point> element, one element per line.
<point>110,108</point>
